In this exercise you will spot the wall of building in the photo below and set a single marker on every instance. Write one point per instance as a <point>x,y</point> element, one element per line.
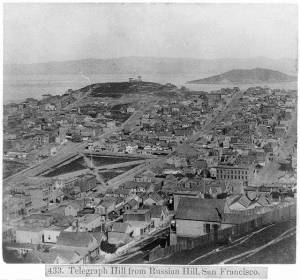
<point>137,231</point>
<point>157,221</point>
<point>135,216</point>
<point>70,211</point>
<point>50,236</point>
<point>140,230</point>
<point>233,173</point>
<point>26,236</point>
<point>192,228</point>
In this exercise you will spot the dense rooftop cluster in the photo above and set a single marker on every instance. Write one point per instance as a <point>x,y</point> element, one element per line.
<point>189,164</point>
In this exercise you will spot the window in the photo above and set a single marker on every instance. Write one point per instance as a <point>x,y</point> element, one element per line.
<point>215,227</point>
<point>207,228</point>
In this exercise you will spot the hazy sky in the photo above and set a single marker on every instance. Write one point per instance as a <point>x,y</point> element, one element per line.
<point>49,32</point>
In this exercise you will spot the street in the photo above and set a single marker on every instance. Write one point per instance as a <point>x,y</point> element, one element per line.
<point>138,248</point>
<point>217,117</point>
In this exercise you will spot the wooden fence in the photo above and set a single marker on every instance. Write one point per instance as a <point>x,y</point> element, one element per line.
<point>278,213</point>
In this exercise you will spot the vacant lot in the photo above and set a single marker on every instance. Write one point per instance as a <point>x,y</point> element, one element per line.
<point>11,167</point>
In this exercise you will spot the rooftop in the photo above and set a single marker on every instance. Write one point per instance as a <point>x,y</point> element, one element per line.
<point>120,227</point>
<point>75,239</point>
<point>210,210</point>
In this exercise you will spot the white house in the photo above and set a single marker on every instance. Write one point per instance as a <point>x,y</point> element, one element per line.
<point>51,234</point>
<point>196,216</point>
<point>27,234</point>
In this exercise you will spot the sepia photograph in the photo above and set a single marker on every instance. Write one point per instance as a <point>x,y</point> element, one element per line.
<point>149,134</point>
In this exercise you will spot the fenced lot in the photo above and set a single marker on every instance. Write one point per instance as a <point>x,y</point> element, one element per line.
<point>273,215</point>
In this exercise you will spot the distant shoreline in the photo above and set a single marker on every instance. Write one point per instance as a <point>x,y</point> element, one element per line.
<point>48,84</point>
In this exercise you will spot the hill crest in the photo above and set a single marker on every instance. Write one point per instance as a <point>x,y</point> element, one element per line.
<point>247,76</point>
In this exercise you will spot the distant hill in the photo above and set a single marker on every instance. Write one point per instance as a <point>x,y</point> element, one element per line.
<point>117,89</point>
<point>247,76</point>
<point>149,65</point>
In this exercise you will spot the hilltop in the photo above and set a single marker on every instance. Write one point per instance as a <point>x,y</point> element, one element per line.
<point>247,76</point>
<point>117,89</point>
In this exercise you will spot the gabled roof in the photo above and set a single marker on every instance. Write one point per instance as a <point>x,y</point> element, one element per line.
<point>132,202</point>
<point>263,200</point>
<point>156,211</point>
<point>232,199</point>
<point>98,236</point>
<point>199,209</point>
<point>156,197</point>
<point>141,195</point>
<point>75,239</point>
<point>120,227</point>
<point>245,201</point>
